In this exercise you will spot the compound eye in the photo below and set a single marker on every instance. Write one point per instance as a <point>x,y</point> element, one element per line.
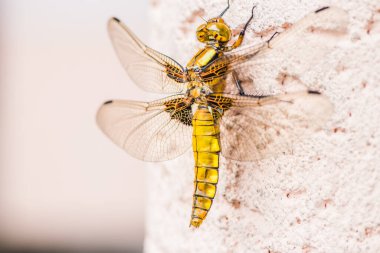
<point>214,20</point>
<point>201,33</point>
<point>201,36</point>
<point>201,28</point>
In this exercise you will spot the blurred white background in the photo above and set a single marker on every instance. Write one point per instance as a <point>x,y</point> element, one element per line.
<point>63,184</point>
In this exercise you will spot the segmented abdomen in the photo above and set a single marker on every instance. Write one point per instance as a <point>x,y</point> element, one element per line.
<point>206,147</point>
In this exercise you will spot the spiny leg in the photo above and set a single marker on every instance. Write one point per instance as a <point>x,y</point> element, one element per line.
<point>249,20</point>
<point>224,11</point>
<point>271,38</point>
<point>241,90</point>
<point>238,42</point>
<point>238,84</point>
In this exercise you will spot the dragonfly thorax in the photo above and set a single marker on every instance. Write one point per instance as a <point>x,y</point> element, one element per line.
<point>198,91</point>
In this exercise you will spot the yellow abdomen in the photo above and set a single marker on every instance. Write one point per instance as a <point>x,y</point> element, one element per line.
<point>206,147</point>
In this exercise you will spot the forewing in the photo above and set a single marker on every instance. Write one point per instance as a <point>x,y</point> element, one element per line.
<point>290,54</point>
<point>149,69</point>
<point>258,128</point>
<point>156,131</point>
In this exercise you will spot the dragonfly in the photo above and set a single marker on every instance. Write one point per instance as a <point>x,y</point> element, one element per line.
<point>202,112</point>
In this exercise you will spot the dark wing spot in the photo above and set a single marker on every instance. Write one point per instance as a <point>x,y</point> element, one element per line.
<point>108,102</point>
<point>322,9</point>
<point>313,92</point>
<point>116,19</point>
<point>179,111</point>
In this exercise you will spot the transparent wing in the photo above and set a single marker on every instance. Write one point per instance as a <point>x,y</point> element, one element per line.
<point>149,69</point>
<point>257,128</point>
<point>156,131</point>
<point>292,53</point>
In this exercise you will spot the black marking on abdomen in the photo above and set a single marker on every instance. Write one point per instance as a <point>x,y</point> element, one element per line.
<point>108,102</point>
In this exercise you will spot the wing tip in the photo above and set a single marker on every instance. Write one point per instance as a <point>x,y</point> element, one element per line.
<point>314,92</point>
<point>108,102</point>
<point>322,9</point>
<point>115,19</point>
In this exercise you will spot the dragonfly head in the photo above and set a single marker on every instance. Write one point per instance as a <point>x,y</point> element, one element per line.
<point>214,31</point>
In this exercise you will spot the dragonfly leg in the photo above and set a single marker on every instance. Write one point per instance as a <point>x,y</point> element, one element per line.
<point>249,20</point>
<point>238,84</point>
<point>239,40</point>
<point>224,11</point>
<point>271,38</point>
<point>241,90</point>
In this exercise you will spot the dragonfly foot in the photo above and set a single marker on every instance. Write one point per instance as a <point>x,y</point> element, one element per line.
<point>271,38</point>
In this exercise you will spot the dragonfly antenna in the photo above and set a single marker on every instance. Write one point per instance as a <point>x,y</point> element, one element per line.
<point>203,18</point>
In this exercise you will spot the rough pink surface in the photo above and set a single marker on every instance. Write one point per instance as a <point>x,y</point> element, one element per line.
<point>323,198</point>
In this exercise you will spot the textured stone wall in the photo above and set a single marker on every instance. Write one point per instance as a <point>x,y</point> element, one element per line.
<point>325,196</point>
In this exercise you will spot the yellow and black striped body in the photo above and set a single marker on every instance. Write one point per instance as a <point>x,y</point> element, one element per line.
<point>206,147</point>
